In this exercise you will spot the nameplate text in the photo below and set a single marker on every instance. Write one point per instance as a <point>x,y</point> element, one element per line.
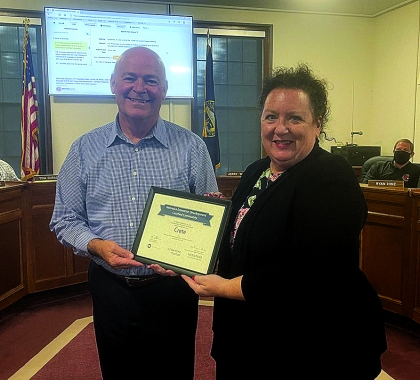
<point>234,174</point>
<point>386,183</point>
<point>45,178</point>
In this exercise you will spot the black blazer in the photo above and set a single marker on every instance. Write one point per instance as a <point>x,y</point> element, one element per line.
<point>298,251</point>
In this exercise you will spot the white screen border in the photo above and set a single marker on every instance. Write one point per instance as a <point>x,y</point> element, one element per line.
<point>83,45</point>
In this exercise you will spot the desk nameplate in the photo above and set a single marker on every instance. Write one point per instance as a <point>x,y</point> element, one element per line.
<point>386,183</point>
<point>45,178</point>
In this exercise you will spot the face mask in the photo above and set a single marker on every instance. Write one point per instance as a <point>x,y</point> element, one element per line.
<point>401,157</point>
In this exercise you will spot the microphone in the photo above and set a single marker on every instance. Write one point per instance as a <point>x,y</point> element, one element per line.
<point>356,133</point>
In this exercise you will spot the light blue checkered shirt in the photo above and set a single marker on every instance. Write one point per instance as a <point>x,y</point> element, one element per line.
<point>105,179</point>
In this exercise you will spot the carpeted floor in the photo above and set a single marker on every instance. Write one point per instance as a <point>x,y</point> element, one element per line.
<point>50,336</point>
<point>402,359</point>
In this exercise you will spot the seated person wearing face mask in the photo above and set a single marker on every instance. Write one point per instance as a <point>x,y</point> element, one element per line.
<point>399,169</point>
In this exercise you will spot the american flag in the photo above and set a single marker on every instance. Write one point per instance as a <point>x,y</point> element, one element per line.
<point>30,154</point>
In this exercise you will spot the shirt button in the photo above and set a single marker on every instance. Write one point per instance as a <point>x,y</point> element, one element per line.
<point>133,198</point>
<point>131,224</point>
<point>134,174</point>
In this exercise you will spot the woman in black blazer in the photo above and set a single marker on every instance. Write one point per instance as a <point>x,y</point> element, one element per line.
<point>290,299</point>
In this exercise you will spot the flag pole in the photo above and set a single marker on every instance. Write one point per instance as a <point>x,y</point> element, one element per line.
<point>26,23</point>
<point>204,134</point>
<point>210,129</point>
<point>30,161</point>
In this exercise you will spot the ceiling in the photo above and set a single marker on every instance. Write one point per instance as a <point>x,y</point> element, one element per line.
<point>362,8</point>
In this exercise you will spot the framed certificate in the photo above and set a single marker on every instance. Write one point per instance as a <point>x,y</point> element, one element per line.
<point>181,231</point>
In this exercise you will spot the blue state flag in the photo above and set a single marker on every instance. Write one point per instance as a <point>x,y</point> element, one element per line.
<point>210,134</point>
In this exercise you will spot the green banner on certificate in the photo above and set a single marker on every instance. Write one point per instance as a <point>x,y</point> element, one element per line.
<point>181,231</point>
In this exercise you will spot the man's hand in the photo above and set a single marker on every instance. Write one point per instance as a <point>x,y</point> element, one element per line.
<point>162,271</point>
<point>216,194</point>
<point>116,256</point>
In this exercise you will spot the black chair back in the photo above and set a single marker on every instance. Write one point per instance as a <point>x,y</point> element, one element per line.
<point>369,162</point>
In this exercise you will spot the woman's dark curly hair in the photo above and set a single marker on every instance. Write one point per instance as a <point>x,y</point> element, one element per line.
<point>300,78</point>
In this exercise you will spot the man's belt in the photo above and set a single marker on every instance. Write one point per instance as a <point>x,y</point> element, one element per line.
<point>134,281</point>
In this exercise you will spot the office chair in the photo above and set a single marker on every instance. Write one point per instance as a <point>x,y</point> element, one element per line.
<point>369,162</point>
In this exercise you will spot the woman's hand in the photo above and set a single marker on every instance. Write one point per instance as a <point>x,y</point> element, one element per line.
<point>212,285</point>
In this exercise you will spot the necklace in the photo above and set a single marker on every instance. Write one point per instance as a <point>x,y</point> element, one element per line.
<point>273,176</point>
<point>275,172</point>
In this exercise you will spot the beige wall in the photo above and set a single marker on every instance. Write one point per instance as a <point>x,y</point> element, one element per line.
<point>392,115</point>
<point>371,64</point>
<point>332,45</point>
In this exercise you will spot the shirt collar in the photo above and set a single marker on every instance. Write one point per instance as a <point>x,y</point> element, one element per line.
<point>158,132</point>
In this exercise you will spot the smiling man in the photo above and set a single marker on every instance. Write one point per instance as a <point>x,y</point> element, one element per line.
<point>139,85</point>
<point>102,189</point>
